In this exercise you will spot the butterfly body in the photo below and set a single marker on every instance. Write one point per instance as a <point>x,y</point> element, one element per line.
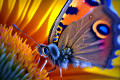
<point>56,57</point>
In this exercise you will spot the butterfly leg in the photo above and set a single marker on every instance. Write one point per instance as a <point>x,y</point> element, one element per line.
<point>38,60</point>
<point>43,65</point>
<point>52,70</point>
<point>60,73</point>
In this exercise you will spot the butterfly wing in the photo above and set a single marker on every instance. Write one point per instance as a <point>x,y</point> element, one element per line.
<point>91,38</point>
<point>72,11</point>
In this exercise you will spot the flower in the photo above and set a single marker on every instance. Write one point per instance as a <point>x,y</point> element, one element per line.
<point>35,18</point>
<point>17,60</point>
<point>24,62</point>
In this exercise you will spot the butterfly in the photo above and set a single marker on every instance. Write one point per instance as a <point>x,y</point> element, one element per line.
<point>84,35</point>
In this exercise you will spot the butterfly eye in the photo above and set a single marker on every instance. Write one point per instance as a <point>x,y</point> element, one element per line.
<point>101,28</point>
<point>45,51</point>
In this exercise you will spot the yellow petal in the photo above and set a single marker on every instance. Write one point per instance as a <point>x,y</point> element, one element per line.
<point>6,9</point>
<point>116,5</point>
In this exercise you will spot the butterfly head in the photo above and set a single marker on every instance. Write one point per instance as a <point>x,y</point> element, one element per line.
<point>43,50</point>
<point>50,51</point>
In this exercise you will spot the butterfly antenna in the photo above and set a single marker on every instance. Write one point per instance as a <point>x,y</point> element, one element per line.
<point>25,34</point>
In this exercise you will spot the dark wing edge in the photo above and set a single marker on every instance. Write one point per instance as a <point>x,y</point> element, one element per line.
<point>57,21</point>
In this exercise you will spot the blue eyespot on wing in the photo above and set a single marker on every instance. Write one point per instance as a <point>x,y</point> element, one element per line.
<point>103,29</point>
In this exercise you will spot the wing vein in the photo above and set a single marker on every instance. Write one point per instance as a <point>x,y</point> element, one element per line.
<point>80,36</point>
<point>89,44</point>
